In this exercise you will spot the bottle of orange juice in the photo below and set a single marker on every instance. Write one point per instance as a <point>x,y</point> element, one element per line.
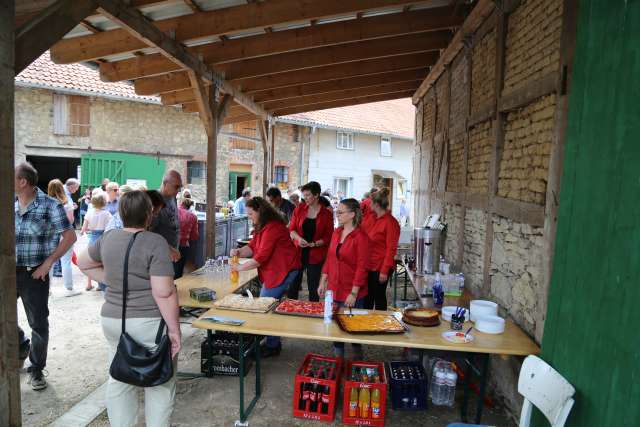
<point>234,276</point>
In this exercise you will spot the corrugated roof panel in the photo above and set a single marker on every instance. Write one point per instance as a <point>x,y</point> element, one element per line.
<point>338,18</point>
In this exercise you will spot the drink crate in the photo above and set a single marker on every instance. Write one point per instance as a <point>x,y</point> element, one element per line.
<point>221,356</point>
<point>315,398</point>
<point>371,417</point>
<point>408,384</point>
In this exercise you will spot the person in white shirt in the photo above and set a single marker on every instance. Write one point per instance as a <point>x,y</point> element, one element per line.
<point>95,221</point>
<point>239,206</point>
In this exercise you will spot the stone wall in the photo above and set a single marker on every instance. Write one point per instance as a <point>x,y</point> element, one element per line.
<point>524,166</point>
<point>149,129</point>
<point>533,42</point>
<point>479,157</point>
<point>503,258</point>
<point>475,228</point>
<point>483,76</point>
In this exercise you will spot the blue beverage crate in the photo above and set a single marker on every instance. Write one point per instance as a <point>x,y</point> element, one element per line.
<point>408,394</point>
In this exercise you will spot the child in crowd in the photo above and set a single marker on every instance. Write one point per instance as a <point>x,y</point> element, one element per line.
<point>95,222</point>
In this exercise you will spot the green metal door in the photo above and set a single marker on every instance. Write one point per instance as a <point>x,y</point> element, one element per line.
<point>590,333</point>
<point>121,167</point>
<point>233,183</point>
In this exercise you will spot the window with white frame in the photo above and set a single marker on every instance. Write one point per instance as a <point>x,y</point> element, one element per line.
<point>343,186</point>
<point>345,141</point>
<point>385,147</point>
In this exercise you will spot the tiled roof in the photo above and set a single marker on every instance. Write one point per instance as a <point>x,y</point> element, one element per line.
<point>75,78</point>
<point>392,118</point>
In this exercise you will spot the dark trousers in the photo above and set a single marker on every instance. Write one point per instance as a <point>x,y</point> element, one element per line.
<point>313,281</point>
<point>35,297</point>
<point>178,266</point>
<point>377,296</point>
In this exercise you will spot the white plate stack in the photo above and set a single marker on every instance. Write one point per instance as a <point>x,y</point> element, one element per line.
<point>485,315</point>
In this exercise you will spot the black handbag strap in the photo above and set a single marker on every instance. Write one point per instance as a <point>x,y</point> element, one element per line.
<point>125,280</point>
<point>125,290</point>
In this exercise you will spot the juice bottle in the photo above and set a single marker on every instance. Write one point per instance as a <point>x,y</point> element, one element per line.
<point>375,403</point>
<point>364,402</point>
<point>234,276</point>
<point>353,402</point>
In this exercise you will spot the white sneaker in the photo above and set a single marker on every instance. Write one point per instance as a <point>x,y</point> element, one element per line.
<point>71,292</point>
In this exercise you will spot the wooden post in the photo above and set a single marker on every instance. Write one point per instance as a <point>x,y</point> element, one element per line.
<point>496,153</point>
<point>272,156</point>
<point>10,414</point>
<point>212,165</point>
<point>264,136</point>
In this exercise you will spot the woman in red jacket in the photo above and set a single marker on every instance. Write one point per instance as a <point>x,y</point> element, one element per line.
<point>272,253</point>
<point>311,227</point>
<point>384,232</point>
<point>345,272</point>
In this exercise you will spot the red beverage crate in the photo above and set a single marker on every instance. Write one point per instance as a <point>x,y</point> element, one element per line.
<point>310,391</point>
<point>349,384</point>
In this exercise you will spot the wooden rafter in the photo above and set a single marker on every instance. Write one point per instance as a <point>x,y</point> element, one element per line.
<point>342,103</point>
<point>202,100</point>
<point>137,24</point>
<point>290,40</point>
<point>192,4</point>
<point>343,94</point>
<point>180,80</point>
<point>37,35</point>
<point>213,23</point>
<point>186,95</point>
<point>344,53</point>
<point>89,26</point>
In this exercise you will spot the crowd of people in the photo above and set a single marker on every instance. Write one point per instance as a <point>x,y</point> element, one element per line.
<point>347,247</point>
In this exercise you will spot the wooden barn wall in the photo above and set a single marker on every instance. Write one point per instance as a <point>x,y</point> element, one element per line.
<point>489,136</point>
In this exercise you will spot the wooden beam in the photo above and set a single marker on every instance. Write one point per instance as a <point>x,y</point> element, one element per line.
<point>342,103</point>
<point>177,81</point>
<point>232,110</point>
<point>224,108</point>
<point>479,13</point>
<point>37,35</point>
<point>212,166</point>
<point>344,53</point>
<point>523,96</point>
<point>194,7</point>
<point>340,85</point>
<point>89,26</point>
<point>240,119</point>
<point>484,113</point>
<point>135,23</point>
<point>203,103</point>
<point>213,23</point>
<point>264,138</point>
<point>288,41</point>
<point>515,210</point>
<point>344,94</point>
<point>10,413</point>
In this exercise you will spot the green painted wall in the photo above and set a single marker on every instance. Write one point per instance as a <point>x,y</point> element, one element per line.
<point>120,167</point>
<point>591,331</point>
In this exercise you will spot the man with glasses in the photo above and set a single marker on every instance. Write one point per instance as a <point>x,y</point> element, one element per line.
<point>167,222</point>
<point>112,197</point>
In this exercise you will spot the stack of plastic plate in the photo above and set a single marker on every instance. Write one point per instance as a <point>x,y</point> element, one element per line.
<point>480,308</point>
<point>490,324</point>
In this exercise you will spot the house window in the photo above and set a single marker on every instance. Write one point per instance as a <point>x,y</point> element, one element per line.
<point>345,141</point>
<point>385,147</point>
<point>343,186</point>
<point>282,175</point>
<point>196,172</point>
<point>71,115</point>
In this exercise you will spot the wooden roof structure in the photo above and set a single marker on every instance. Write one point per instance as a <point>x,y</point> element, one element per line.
<point>272,57</point>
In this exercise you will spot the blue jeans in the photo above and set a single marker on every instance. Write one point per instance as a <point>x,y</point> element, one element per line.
<point>338,347</point>
<point>94,235</point>
<point>277,292</point>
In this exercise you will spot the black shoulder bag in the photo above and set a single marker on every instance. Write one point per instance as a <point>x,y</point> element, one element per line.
<point>133,363</point>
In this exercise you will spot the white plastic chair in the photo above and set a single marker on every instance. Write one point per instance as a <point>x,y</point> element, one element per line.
<point>542,387</point>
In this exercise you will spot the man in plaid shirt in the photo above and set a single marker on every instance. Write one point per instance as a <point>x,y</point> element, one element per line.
<point>40,221</point>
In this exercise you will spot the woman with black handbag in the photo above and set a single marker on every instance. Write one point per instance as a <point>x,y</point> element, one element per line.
<point>140,299</point>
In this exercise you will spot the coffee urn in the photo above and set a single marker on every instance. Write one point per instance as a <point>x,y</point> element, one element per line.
<point>418,249</point>
<point>432,249</point>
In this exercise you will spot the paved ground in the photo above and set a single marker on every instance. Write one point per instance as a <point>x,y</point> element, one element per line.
<point>78,364</point>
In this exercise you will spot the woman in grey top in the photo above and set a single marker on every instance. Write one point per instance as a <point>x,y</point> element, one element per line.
<point>152,296</point>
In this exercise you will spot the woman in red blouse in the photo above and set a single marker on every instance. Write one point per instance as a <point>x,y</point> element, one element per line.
<point>384,232</point>
<point>311,227</point>
<point>272,253</point>
<point>345,272</point>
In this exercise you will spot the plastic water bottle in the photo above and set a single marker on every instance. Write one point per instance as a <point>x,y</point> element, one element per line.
<point>328,306</point>
<point>451,379</point>
<point>439,386</point>
<point>460,279</point>
<point>438,291</point>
